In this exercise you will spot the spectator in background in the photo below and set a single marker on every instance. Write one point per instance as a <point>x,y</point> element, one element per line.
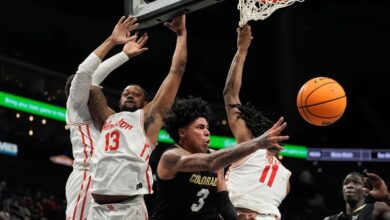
<point>355,192</point>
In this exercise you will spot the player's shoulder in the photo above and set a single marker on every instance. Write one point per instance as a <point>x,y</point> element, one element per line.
<point>176,151</point>
<point>172,152</point>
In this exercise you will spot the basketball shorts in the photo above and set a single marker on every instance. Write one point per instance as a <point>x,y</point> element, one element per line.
<point>134,209</point>
<point>78,194</point>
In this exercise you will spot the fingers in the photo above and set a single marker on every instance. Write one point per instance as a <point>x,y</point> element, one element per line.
<point>277,124</point>
<point>131,38</point>
<point>274,127</point>
<point>143,50</point>
<point>373,177</point>
<point>280,121</point>
<point>247,28</point>
<point>136,35</point>
<point>282,138</point>
<point>130,20</point>
<point>281,128</point>
<point>121,20</point>
<point>168,24</point>
<point>179,18</point>
<point>142,40</point>
<point>130,23</point>
<point>276,147</point>
<point>133,27</point>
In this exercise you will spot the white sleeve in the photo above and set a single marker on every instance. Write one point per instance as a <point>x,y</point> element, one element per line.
<point>107,67</point>
<point>81,84</point>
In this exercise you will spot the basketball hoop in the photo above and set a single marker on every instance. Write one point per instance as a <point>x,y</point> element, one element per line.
<point>260,9</point>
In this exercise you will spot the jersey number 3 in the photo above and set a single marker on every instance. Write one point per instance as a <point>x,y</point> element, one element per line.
<point>271,179</point>
<point>112,141</point>
<point>202,194</point>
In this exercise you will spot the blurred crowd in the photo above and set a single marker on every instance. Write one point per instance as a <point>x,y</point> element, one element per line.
<point>18,203</point>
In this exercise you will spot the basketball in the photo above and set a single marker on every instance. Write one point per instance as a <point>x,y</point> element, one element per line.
<point>321,101</point>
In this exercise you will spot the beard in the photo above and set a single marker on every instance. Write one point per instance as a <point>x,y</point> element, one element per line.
<point>129,108</point>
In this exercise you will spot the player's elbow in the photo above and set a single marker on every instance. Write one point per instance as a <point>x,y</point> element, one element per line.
<point>214,164</point>
<point>226,92</point>
<point>229,92</point>
<point>230,96</point>
<point>178,70</point>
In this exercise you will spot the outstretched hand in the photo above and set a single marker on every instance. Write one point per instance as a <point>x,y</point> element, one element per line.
<point>244,37</point>
<point>135,46</point>
<point>177,25</point>
<point>272,137</point>
<point>121,33</point>
<point>379,190</point>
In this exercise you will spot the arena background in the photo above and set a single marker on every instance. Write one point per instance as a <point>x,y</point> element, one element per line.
<point>43,42</point>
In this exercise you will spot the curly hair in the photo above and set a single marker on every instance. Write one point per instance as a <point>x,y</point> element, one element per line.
<point>182,113</point>
<point>255,121</point>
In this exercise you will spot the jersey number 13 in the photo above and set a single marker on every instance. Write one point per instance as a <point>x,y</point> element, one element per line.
<point>112,141</point>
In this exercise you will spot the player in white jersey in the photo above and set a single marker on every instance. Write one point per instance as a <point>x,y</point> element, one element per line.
<point>83,133</point>
<point>120,171</point>
<point>259,182</point>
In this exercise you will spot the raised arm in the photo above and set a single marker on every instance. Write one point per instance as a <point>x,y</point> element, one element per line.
<point>97,103</point>
<point>379,192</point>
<point>131,49</point>
<point>79,90</point>
<point>98,107</point>
<point>167,92</point>
<point>233,85</point>
<point>172,162</point>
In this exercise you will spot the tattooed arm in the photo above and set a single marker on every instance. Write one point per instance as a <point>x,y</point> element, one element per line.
<point>166,94</point>
<point>175,160</point>
<point>98,107</point>
<point>233,83</point>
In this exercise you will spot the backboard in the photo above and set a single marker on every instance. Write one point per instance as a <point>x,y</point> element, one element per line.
<point>152,13</point>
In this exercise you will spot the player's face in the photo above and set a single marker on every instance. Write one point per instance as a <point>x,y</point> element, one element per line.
<point>196,136</point>
<point>132,99</point>
<point>353,188</point>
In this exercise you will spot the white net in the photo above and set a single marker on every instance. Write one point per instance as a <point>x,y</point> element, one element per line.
<point>260,9</point>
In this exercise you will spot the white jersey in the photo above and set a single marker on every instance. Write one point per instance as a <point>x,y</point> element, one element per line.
<point>120,162</point>
<point>83,133</point>
<point>260,183</point>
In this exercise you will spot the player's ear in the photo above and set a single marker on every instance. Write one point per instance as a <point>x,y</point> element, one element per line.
<point>181,132</point>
